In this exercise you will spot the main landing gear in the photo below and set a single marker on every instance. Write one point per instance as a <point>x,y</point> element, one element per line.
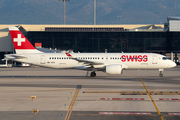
<point>93,74</point>
<point>160,72</point>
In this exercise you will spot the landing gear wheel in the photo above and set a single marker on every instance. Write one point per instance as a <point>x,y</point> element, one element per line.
<point>93,74</point>
<point>160,75</point>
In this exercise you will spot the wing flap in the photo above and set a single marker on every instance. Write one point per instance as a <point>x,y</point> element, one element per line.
<point>88,62</point>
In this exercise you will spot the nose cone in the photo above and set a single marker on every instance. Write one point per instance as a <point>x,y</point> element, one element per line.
<point>171,64</point>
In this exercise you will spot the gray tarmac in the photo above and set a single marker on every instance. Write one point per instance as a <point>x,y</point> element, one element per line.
<point>53,88</point>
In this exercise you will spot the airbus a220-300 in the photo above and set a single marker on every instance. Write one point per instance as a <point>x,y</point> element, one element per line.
<point>110,63</point>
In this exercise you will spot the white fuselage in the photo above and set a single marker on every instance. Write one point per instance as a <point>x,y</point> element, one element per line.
<point>127,60</point>
<point>110,63</point>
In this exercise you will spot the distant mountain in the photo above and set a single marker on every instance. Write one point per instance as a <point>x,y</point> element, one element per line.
<point>81,11</point>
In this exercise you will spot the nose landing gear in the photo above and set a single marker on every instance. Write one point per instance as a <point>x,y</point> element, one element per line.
<point>160,72</point>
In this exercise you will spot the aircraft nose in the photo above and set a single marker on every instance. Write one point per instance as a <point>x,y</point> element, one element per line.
<point>172,64</point>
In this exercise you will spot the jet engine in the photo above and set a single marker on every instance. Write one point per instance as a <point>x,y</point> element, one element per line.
<point>114,69</point>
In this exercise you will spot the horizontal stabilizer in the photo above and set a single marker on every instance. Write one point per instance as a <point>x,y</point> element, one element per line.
<point>14,56</point>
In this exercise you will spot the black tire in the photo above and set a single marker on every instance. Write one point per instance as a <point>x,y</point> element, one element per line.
<point>160,75</point>
<point>93,74</point>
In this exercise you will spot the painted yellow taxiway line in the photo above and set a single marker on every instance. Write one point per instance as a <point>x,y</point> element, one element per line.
<point>152,100</point>
<point>72,104</point>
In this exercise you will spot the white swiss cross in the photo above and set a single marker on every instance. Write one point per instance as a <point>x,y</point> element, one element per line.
<point>19,40</point>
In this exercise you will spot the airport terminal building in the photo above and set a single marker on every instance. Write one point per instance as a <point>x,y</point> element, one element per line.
<point>158,38</point>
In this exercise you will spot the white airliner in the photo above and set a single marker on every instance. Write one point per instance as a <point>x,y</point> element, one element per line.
<point>110,63</point>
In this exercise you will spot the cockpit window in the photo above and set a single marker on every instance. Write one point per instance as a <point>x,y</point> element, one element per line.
<point>166,58</point>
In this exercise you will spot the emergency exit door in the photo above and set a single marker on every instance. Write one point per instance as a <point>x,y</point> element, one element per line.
<point>42,59</point>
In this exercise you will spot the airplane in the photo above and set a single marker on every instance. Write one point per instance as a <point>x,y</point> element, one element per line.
<point>110,63</point>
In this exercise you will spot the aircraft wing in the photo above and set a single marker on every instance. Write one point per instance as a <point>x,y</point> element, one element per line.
<point>87,62</point>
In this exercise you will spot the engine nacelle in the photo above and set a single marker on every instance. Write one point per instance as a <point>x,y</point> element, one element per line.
<point>114,69</point>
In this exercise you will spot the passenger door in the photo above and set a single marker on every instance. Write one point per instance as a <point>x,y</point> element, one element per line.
<point>154,59</point>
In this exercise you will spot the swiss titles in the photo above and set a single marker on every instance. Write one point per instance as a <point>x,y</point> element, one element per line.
<point>134,58</point>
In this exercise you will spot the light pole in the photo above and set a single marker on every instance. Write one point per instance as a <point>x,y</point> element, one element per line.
<point>94,12</point>
<point>175,8</point>
<point>64,10</point>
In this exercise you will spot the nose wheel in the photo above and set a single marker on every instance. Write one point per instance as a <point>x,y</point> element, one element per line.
<point>93,74</point>
<point>160,72</point>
